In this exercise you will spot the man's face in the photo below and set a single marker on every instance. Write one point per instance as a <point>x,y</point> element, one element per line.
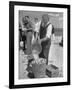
<point>36,20</point>
<point>45,19</point>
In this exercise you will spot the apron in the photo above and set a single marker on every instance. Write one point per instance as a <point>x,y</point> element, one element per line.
<point>29,42</point>
<point>29,38</point>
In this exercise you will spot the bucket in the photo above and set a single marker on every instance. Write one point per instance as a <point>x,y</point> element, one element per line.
<point>39,68</point>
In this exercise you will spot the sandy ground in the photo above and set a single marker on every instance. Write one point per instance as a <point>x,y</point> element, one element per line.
<point>55,58</point>
<point>56,53</point>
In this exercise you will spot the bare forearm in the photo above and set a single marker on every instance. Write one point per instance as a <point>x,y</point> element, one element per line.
<point>44,39</point>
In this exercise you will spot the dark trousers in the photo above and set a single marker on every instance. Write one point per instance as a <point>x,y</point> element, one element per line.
<point>45,50</point>
<point>24,41</point>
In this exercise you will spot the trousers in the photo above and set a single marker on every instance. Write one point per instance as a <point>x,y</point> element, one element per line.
<point>45,50</point>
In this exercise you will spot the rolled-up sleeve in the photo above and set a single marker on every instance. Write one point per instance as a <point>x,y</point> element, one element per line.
<point>49,30</point>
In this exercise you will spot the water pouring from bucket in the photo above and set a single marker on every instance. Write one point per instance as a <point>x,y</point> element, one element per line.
<point>36,46</point>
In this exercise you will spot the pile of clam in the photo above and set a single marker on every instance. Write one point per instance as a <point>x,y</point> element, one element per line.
<point>39,61</point>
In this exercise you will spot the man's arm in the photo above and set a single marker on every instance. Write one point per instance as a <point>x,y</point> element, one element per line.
<point>22,26</point>
<point>44,39</point>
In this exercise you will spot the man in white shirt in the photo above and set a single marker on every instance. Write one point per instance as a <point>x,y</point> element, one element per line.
<point>36,29</point>
<point>36,24</point>
<point>45,37</point>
